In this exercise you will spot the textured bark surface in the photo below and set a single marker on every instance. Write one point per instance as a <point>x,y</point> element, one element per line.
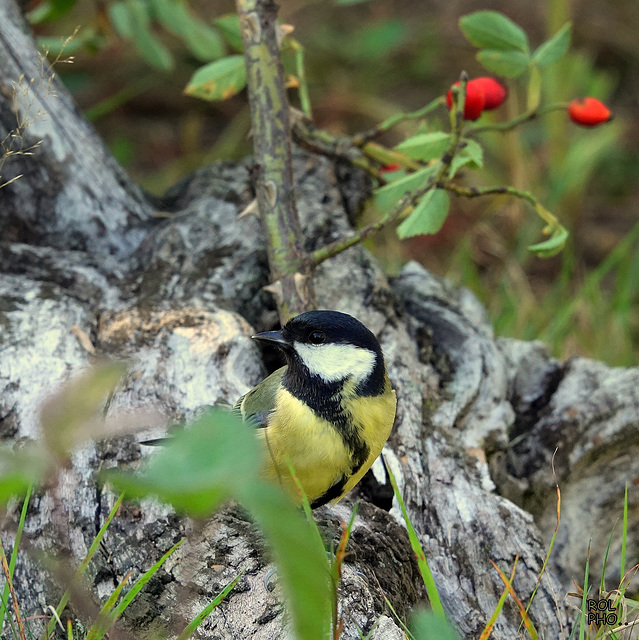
<point>95,273</point>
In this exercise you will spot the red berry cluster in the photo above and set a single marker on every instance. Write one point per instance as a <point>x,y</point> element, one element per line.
<point>482,94</point>
<point>485,93</point>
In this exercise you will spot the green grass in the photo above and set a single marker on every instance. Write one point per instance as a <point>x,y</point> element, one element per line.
<point>626,608</point>
<point>83,567</point>
<point>422,563</point>
<point>14,556</point>
<point>567,313</point>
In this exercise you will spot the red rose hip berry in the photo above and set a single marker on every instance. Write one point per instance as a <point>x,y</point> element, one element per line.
<point>494,92</point>
<point>475,100</point>
<point>588,112</point>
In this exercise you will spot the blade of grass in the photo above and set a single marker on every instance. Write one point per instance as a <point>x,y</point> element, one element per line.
<point>584,597</point>
<point>108,614</point>
<point>522,611</point>
<point>14,599</point>
<point>424,569</point>
<point>336,567</point>
<point>602,585</point>
<point>488,629</point>
<point>341,547</point>
<point>197,621</point>
<point>624,534</point>
<point>104,620</point>
<point>552,540</point>
<point>69,630</point>
<point>14,555</point>
<point>83,566</point>
<point>399,621</point>
<point>142,580</point>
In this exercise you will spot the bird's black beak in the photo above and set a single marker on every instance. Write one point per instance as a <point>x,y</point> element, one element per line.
<point>275,337</point>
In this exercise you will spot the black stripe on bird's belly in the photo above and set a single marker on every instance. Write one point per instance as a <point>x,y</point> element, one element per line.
<point>335,491</point>
<point>325,399</point>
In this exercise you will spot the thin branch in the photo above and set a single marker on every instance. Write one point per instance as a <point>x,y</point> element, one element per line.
<point>475,192</point>
<point>308,136</point>
<point>522,118</point>
<point>371,134</point>
<point>324,143</point>
<point>402,207</point>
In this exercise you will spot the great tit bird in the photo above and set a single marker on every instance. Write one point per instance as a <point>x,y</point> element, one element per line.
<point>329,411</point>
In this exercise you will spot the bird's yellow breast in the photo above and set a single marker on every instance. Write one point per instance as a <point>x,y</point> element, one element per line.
<point>296,435</point>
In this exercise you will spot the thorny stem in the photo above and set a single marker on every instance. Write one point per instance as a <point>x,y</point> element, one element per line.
<point>411,198</point>
<point>274,183</point>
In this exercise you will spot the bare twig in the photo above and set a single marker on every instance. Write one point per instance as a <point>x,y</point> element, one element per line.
<point>522,118</point>
<point>375,132</point>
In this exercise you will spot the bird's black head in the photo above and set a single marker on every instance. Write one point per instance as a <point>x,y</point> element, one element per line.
<point>329,327</point>
<point>330,347</point>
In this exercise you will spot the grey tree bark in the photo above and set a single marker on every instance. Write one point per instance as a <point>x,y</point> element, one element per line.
<point>87,269</point>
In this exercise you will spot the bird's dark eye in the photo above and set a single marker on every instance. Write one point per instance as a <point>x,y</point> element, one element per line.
<point>316,337</point>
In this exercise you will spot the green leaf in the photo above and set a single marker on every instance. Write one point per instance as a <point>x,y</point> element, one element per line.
<point>387,196</point>
<point>427,217</point>
<point>131,20</point>
<point>19,470</point>
<point>194,471</point>
<point>347,2</point>
<point>510,64</point>
<point>120,17</point>
<point>218,80</point>
<point>229,25</point>
<point>493,30</point>
<point>552,246</point>
<point>471,153</point>
<point>49,11</point>
<point>427,626</point>
<point>204,42</point>
<point>301,558</point>
<point>216,458</point>
<point>375,41</point>
<point>425,146</point>
<point>533,93</point>
<point>554,48</point>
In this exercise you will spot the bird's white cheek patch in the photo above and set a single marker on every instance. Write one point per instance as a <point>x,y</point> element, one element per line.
<point>334,362</point>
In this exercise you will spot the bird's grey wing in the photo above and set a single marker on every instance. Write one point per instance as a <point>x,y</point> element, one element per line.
<point>256,406</point>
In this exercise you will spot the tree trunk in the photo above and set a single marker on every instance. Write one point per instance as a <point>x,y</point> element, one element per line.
<point>87,270</point>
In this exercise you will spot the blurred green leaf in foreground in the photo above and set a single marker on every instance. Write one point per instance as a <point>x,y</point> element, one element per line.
<point>218,458</point>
